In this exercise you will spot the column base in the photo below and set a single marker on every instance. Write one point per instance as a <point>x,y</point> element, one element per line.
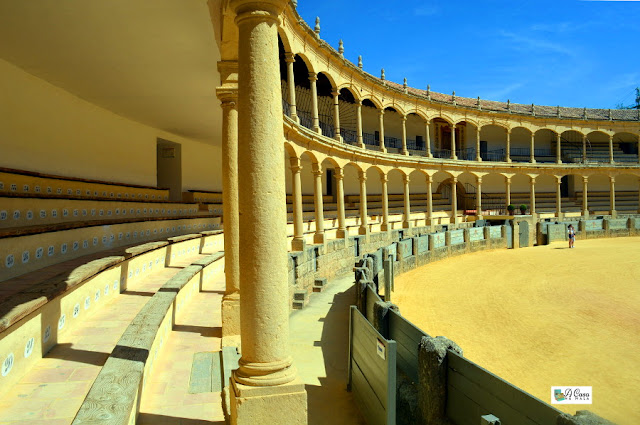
<point>406,225</point>
<point>478,159</point>
<point>383,150</point>
<point>454,157</point>
<point>560,216</point>
<point>405,152</point>
<point>429,155</point>
<point>385,227</point>
<point>479,216</point>
<point>509,160</point>
<point>280,404</point>
<point>342,234</point>
<point>533,161</point>
<point>231,315</point>
<point>558,162</point>
<point>298,245</point>
<point>614,213</point>
<point>363,230</point>
<point>319,238</point>
<point>362,145</point>
<point>585,215</point>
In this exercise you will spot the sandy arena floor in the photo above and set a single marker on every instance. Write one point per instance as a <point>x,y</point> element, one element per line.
<point>542,316</point>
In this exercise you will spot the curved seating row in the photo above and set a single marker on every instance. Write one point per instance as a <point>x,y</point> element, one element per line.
<point>27,182</point>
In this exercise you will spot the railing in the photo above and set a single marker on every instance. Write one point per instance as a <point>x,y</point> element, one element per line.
<point>349,136</point>
<point>497,155</point>
<point>468,154</point>
<point>442,153</point>
<point>327,129</point>
<point>370,139</point>
<point>392,142</point>
<point>416,145</point>
<point>306,120</point>
<point>286,108</point>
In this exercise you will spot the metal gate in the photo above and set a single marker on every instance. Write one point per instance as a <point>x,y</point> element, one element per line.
<point>523,233</point>
<point>509,233</point>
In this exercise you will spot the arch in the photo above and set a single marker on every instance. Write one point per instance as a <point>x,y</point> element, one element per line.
<point>543,129</point>
<point>397,108</point>
<point>415,111</point>
<point>312,156</point>
<point>330,78</point>
<point>484,124</point>
<point>523,127</point>
<point>307,62</point>
<point>468,120</point>
<point>445,117</point>
<point>284,39</point>
<point>373,99</point>
<point>348,88</point>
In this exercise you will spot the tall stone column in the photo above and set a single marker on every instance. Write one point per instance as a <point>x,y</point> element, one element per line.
<point>478,156</point>
<point>427,138</point>
<point>454,199</point>
<point>508,153</point>
<point>297,244</point>
<point>318,237</point>
<point>532,195</point>
<point>558,148</point>
<point>406,223</point>
<point>479,197</point>
<point>612,196</point>
<point>290,60</point>
<point>336,115</point>
<point>558,197</point>
<point>313,79</point>
<point>405,151</point>
<point>508,190</point>
<point>611,160</point>
<point>385,203</point>
<point>382,146</point>
<point>359,123</point>
<point>230,215</point>
<point>430,200</point>
<point>585,201</point>
<point>364,228</point>
<point>266,382</point>
<point>342,222</point>
<point>584,148</point>
<point>453,142</point>
<point>532,149</point>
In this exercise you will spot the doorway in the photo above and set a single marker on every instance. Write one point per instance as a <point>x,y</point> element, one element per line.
<point>169,168</point>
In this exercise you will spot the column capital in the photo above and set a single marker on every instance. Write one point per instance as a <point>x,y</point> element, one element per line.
<point>612,179</point>
<point>479,180</point>
<point>427,121</point>
<point>533,180</point>
<point>508,179</point>
<point>362,176</point>
<point>429,178</point>
<point>381,111</point>
<point>454,180</point>
<point>585,179</point>
<point>384,178</point>
<point>313,76</point>
<point>289,57</point>
<point>316,169</point>
<point>228,96</point>
<point>338,173</point>
<point>403,118</point>
<point>335,93</point>
<point>406,179</point>
<point>264,10</point>
<point>558,179</point>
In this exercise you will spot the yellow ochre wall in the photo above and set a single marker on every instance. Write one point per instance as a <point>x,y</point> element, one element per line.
<point>46,129</point>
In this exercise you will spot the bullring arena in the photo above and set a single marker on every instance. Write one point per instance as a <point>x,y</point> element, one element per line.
<point>214,239</point>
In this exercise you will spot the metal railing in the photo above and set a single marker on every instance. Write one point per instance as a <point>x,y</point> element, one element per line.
<point>349,136</point>
<point>286,108</point>
<point>370,139</point>
<point>392,142</point>
<point>442,153</point>
<point>306,120</point>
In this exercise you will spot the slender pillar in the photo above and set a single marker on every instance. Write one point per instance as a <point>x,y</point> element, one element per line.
<point>532,194</point>
<point>359,123</point>
<point>479,197</point>
<point>290,59</point>
<point>429,200</point>
<point>558,149</point>
<point>638,195</point>
<point>558,197</point>
<point>453,142</point>
<point>364,228</point>
<point>385,203</point>
<point>342,222</point>
<point>454,200</point>
<point>318,237</point>
<point>612,196</point>
<point>405,151</point>
<point>532,148</point>
<point>585,201</point>
<point>406,222</point>
<point>508,153</point>
<point>313,78</point>
<point>382,146</point>
<point>336,115</point>
<point>478,156</point>
<point>297,244</point>
<point>611,161</point>
<point>508,190</point>
<point>266,370</point>
<point>231,216</point>
<point>584,148</point>
<point>427,138</point>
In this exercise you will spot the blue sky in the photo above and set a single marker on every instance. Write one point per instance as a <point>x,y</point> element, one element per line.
<point>571,53</point>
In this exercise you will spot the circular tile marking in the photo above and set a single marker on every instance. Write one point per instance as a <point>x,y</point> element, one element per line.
<point>87,303</point>
<point>7,365</point>
<point>9,261</point>
<point>76,310</point>
<point>28,348</point>
<point>47,334</point>
<point>62,321</point>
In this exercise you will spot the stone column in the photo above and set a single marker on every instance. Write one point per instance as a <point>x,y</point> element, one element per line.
<point>290,59</point>
<point>336,115</point>
<point>454,199</point>
<point>382,146</point>
<point>266,382</point>
<point>318,237</point>
<point>430,200</point>
<point>508,153</point>
<point>406,222</point>
<point>585,202</point>
<point>508,190</point>
<point>532,148</point>
<point>297,244</point>
<point>385,203</point>
<point>558,148</point>
<point>231,216</point>
<point>453,142</point>
<point>313,78</point>
<point>478,157</point>
<point>584,148</point>
<point>359,123</point>
<point>558,197</point>
<point>479,197</point>
<point>405,151</point>
<point>532,195</point>
<point>639,194</point>
<point>342,222</point>
<point>427,138</point>
<point>364,228</point>
<point>612,196</point>
<point>611,161</point>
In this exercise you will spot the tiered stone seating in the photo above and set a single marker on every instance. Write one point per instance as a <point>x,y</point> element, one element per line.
<point>598,152</point>
<point>626,201</point>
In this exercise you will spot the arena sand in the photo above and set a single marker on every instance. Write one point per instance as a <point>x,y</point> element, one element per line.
<point>541,317</point>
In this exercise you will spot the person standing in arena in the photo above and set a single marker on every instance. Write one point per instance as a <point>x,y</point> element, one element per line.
<point>572,236</point>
